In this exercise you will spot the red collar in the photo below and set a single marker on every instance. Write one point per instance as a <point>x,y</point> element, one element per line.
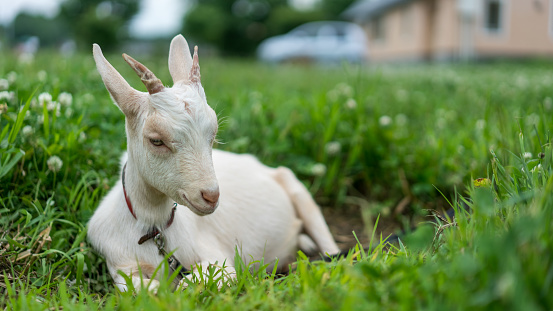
<point>129,205</point>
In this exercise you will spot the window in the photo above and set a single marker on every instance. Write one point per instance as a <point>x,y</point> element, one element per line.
<point>377,28</point>
<point>493,20</point>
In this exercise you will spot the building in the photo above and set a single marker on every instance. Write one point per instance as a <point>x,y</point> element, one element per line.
<point>445,30</point>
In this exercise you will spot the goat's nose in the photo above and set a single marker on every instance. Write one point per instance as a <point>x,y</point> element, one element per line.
<point>211,196</point>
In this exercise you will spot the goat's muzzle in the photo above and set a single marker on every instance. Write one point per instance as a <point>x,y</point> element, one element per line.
<point>211,197</point>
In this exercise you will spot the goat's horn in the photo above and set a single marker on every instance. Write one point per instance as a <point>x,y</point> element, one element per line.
<point>195,70</point>
<point>152,83</point>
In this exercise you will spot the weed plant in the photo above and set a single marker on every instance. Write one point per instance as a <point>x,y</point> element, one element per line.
<point>475,137</point>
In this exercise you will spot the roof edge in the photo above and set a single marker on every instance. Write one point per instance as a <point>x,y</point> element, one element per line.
<point>364,10</point>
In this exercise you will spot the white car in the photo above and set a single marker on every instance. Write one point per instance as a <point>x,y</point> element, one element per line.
<point>323,41</point>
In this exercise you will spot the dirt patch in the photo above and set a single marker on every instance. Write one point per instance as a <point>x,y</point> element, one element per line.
<point>342,222</point>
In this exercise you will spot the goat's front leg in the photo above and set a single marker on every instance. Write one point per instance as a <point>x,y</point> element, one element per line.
<point>201,272</point>
<point>139,281</point>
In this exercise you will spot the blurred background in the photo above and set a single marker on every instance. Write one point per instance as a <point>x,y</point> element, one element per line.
<point>280,30</point>
<point>223,27</point>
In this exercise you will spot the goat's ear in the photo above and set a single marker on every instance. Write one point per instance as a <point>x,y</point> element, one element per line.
<point>127,98</point>
<point>180,60</point>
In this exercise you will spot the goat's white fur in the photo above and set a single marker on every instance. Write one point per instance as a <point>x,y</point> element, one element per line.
<point>262,211</point>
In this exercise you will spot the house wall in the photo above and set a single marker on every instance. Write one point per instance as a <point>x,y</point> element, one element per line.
<point>403,34</point>
<point>419,30</point>
<point>527,30</point>
<point>446,33</point>
<point>436,30</point>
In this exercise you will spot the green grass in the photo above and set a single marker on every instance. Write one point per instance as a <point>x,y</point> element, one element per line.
<point>357,137</point>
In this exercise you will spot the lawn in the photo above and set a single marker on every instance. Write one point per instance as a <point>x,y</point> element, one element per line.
<point>382,144</point>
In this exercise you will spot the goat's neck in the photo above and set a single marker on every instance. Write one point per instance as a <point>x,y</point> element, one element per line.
<point>151,207</point>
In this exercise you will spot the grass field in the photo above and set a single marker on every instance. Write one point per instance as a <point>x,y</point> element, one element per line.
<point>386,142</point>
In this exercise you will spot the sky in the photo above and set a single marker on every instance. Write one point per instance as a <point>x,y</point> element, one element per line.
<point>9,8</point>
<point>156,18</point>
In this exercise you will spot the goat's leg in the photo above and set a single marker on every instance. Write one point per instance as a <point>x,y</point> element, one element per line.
<point>307,210</point>
<point>139,282</point>
<point>228,274</point>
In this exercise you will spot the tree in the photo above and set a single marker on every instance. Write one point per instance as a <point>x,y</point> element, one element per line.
<point>237,27</point>
<point>97,21</point>
<point>332,9</point>
<point>49,31</point>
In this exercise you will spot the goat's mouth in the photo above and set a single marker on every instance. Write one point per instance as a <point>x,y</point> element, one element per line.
<point>193,207</point>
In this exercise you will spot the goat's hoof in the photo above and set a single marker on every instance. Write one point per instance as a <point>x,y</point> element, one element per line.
<point>182,285</point>
<point>153,286</point>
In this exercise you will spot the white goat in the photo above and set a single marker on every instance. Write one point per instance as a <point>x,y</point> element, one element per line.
<point>263,212</point>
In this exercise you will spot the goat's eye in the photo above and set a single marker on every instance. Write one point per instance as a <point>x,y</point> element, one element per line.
<point>156,142</point>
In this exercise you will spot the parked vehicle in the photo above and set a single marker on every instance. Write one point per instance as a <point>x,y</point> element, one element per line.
<point>324,41</point>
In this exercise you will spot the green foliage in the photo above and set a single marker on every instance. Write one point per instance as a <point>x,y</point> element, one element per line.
<point>284,18</point>
<point>237,27</point>
<point>98,21</point>
<point>333,8</point>
<point>47,30</point>
<point>352,135</point>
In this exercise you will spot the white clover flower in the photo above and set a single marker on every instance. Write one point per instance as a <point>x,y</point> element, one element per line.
<point>351,103</point>
<point>44,98</point>
<point>82,137</point>
<point>66,99</point>
<point>480,124</point>
<point>52,106</point>
<point>332,95</point>
<point>460,149</point>
<point>68,113</point>
<point>521,81</point>
<point>318,169</point>
<point>345,89</point>
<point>54,163</point>
<point>88,98</point>
<point>257,108</point>
<point>451,115</point>
<point>8,96</point>
<point>402,95</point>
<point>385,121</point>
<point>256,96</point>
<point>548,103</point>
<point>26,58</point>
<point>4,84</point>
<point>527,155</point>
<point>27,131</point>
<point>533,119</point>
<point>536,168</point>
<point>441,123</point>
<point>34,103</point>
<point>401,119</point>
<point>12,76</point>
<point>42,75</point>
<point>333,147</point>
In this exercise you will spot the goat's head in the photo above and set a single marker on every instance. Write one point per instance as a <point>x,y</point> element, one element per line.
<point>170,130</point>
